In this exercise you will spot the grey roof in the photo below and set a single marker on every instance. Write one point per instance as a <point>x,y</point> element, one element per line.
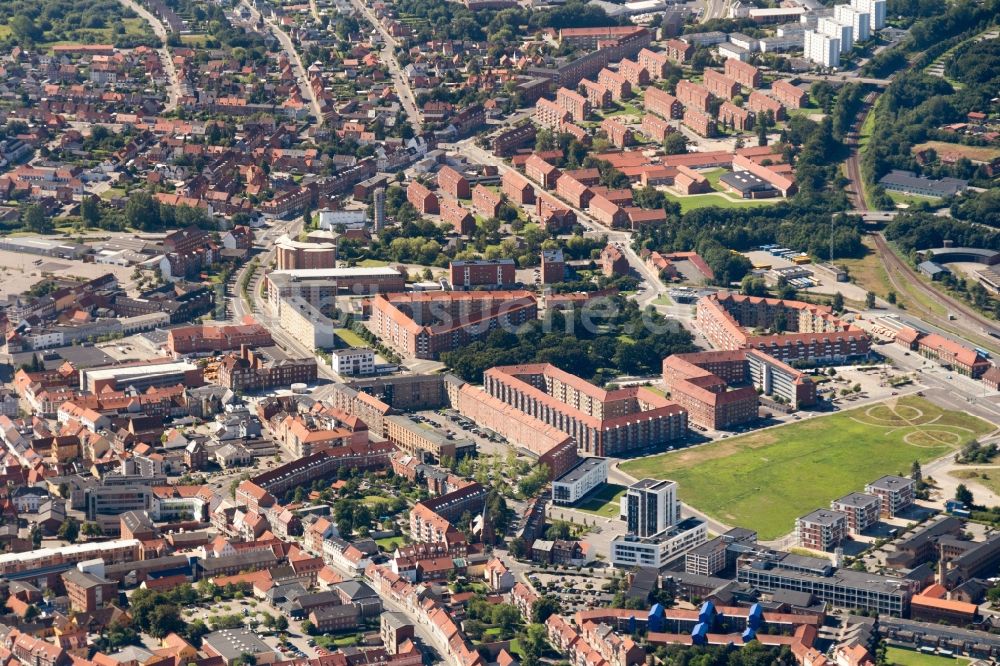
<point>890,482</point>
<point>857,500</point>
<point>356,590</point>
<point>744,181</point>
<point>396,620</point>
<point>581,469</point>
<point>908,180</point>
<point>824,517</point>
<point>231,643</point>
<point>931,268</point>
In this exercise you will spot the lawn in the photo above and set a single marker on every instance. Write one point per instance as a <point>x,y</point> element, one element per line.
<point>389,543</point>
<point>713,176</point>
<point>986,477</point>
<point>696,201</point>
<point>910,199</point>
<point>903,657</point>
<point>604,501</point>
<point>765,480</point>
<point>112,193</point>
<point>869,271</point>
<point>350,338</point>
<point>372,263</point>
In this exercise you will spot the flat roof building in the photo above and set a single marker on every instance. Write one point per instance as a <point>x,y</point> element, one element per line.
<point>585,476</point>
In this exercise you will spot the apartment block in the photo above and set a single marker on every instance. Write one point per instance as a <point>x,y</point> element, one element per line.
<point>549,114</point>
<point>634,72</point>
<point>517,188</point>
<point>541,172</point>
<point>743,73</point>
<point>617,132</point>
<point>601,422</point>
<point>822,529</point>
<point>425,201</point>
<point>859,21</point>
<point>482,273</point>
<point>700,123</point>
<point>455,214</point>
<point>573,102</point>
<point>759,103</point>
<point>553,266</point>
<point>788,94</point>
<point>821,49</point>
<point>620,87</point>
<point>875,10</point>
<point>862,510</point>
<point>837,30</point>
<point>598,96</point>
<point>655,128</point>
<point>895,494</point>
<point>662,103</point>
<point>452,183</point>
<point>678,51</point>
<point>694,95</point>
<point>720,85</point>
<point>507,141</point>
<point>572,190</point>
<point>657,63</point>
<point>486,202</point>
<point>710,402</point>
<point>735,117</point>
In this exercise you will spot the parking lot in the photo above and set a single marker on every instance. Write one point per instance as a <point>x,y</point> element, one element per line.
<point>456,426</point>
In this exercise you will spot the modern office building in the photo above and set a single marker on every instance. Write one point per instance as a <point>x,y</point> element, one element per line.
<point>651,506</point>
<point>821,49</point>
<point>657,551</point>
<point>586,475</point>
<point>353,361</point>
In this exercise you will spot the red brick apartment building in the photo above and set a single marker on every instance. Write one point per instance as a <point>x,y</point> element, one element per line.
<point>862,510</point>
<point>618,133</point>
<point>613,261</point>
<point>206,338</point>
<point>541,172</point>
<point>264,368</point>
<point>678,51</point>
<point>482,273</point>
<point>693,384</point>
<point>506,142</point>
<point>962,359</point>
<point>822,529</point>
<point>689,181</point>
<point>735,117</point>
<point>607,212</point>
<point>720,85</point>
<point>573,102</point>
<point>656,63</point>
<point>811,332</point>
<point>549,114</point>
<point>553,266</point>
<point>455,214</point>
<point>601,422</point>
<point>694,95</point>
<point>453,183</point>
<point>636,74</point>
<point>590,37</point>
<point>758,102</point>
<point>895,493</point>
<point>790,95</point>
<point>292,254</point>
<point>662,103</point>
<point>743,73</point>
<point>618,85</point>
<point>517,188</point>
<point>598,95</point>
<point>655,128</point>
<point>425,324</point>
<point>485,201</point>
<point>554,214</point>
<point>572,190</point>
<point>422,199</point>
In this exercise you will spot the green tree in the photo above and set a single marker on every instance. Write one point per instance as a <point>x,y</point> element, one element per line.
<point>838,302</point>
<point>70,529</point>
<point>543,607</point>
<point>675,144</point>
<point>870,300</point>
<point>143,212</point>
<point>90,211</point>
<point>34,219</point>
<point>281,623</point>
<point>964,495</point>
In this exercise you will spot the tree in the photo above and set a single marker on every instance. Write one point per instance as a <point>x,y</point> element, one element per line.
<point>891,297</point>
<point>838,302</point>
<point>675,144</point>
<point>964,495</point>
<point>90,211</point>
<point>281,623</point>
<point>92,530</point>
<point>143,212</point>
<point>543,607</point>
<point>870,300</point>
<point>308,627</point>
<point>916,473</point>
<point>34,219</point>
<point>70,529</point>
<point>36,536</point>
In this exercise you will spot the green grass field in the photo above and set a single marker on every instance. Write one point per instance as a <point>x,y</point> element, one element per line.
<point>696,201</point>
<point>350,338</point>
<point>910,199</point>
<point>604,501</point>
<point>984,476</point>
<point>903,657</point>
<point>765,480</point>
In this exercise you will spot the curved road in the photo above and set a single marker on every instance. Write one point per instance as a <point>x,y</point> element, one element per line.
<point>174,85</point>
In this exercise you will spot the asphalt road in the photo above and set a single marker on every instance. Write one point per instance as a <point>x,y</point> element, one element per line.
<point>174,86</point>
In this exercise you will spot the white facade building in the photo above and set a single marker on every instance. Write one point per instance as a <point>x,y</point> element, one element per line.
<point>859,21</point>
<point>834,28</point>
<point>353,361</point>
<point>821,49</point>
<point>875,9</point>
<point>586,475</point>
<point>657,551</point>
<point>651,506</point>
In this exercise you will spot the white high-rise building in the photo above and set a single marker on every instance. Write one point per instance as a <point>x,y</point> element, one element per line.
<point>651,506</point>
<point>875,10</point>
<point>858,20</point>
<point>834,28</point>
<point>821,49</point>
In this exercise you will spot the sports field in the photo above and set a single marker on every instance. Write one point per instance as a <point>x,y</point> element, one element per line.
<point>765,480</point>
